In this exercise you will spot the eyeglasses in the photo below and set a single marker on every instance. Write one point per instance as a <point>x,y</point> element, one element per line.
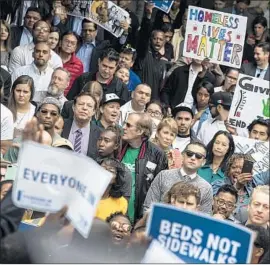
<point>116,225</point>
<point>156,114</point>
<point>52,113</point>
<point>128,125</point>
<point>228,205</point>
<point>72,43</point>
<point>40,29</point>
<point>197,155</point>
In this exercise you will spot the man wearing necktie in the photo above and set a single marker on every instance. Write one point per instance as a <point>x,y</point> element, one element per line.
<point>193,158</point>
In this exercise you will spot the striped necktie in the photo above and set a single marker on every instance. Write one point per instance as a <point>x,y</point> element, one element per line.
<point>78,141</point>
<point>187,178</point>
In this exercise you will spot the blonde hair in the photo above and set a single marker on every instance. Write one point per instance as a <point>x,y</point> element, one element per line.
<point>170,123</point>
<point>261,188</point>
<point>144,123</point>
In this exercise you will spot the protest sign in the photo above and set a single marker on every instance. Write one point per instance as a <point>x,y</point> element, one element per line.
<point>250,101</point>
<point>258,150</point>
<point>49,178</point>
<point>199,238</point>
<point>106,14</point>
<point>164,5</point>
<point>215,35</point>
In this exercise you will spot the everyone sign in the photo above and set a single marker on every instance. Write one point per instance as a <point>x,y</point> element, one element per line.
<point>56,177</point>
<point>250,101</point>
<point>215,35</point>
<point>199,238</point>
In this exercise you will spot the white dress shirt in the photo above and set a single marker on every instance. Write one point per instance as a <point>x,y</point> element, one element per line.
<point>260,73</point>
<point>26,37</point>
<point>7,126</point>
<point>41,79</point>
<point>191,79</point>
<point>183,172</point>
<point>23,55</point>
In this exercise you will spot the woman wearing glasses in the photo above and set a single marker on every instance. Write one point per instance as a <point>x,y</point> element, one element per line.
<point>19,102</point>
<point>157,112</point>
<point>231,76</point>
<point>165,135</point>
<point>219,150</point>
<point>112,200</point>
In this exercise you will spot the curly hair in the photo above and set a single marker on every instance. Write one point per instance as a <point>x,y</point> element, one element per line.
<point>116,214</point>
<point>233,158</point>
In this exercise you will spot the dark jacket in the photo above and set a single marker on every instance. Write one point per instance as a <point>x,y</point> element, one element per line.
<point>7,85</point>
<point>176,86</point>
<point>16,34</point>
<point>115,86</point>
<point>144,175</point>
<point>149,66</point>
<point>11,216</point>
<point>67,110</point>
<point>93,137</point>
<point>250,69</point>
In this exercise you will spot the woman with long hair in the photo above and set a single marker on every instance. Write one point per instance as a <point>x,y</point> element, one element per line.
<point>19,102</point>
<point>219,150</point>
<point>5,44</point>
<point>112,200</point>
<point>165,135</point>
<point>231,76</point>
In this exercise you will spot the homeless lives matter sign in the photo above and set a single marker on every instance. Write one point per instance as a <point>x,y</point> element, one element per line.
<point>199,238</point>
<point>215,35</point>
<point>56,177</point>
<point>250,101</point>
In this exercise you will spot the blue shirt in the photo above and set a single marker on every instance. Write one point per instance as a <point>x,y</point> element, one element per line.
<point>134,80</point>
<point>205,116</point>
<point>26,37</point>
<point>85,54</point>
<point>260,73</point>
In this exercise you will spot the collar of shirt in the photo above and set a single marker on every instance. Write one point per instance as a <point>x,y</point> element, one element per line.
<point>219,172</point>
<point>27,32</point>
<point>87,43</point>
<point>74,128</point>
<point>193,71</point>
<point>31,46</point>
<point>108,82</point>
<point>37,71</point>
<point>263,70</point>
<point>183,173</point>
<point>215,120</point>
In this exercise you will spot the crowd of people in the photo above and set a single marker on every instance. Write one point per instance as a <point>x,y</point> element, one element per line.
<point>156,120</point>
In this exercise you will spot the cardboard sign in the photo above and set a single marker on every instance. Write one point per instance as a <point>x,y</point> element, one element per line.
<point>106,14</point>
<point>198,238</point>
<point>258,150</point>
<point>215,35</point>
<point>250,101</point>
<point>49,178</point>
<point>164,5</point>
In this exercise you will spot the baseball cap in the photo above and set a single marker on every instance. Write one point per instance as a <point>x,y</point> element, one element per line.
<point>182,107</point>
<point>52,101</point>
<point>111,97</point>
<point>221,98</point>
<point>61,142</point>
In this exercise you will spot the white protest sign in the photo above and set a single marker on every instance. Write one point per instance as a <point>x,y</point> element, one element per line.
<point>106,14</point>
<point>49,178</point>
<point>250,101</point>
<point>215,35</point>
<point>258,150</point>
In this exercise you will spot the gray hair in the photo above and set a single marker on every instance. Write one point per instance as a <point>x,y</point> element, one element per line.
<point>64,70</point>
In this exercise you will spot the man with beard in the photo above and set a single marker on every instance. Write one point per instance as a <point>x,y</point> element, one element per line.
<point>184,118</point>
<point>59,82</point>
<point>39,70</point>
<point>220,104</point>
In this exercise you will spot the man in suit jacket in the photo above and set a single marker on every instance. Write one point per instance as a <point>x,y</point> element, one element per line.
<point>240,8</point>
<point>260,68</point>
<point>22,35</point>
<point>80,131</point>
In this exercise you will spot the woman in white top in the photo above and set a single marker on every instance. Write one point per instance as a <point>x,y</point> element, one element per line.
<point>19,102</point>
<point>231,76</point>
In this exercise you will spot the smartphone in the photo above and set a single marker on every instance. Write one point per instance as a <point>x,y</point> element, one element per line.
<point>248,166</point>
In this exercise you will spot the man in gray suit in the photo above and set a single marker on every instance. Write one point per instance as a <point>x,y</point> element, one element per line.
<point>260,68</point>
<point>240,8</point>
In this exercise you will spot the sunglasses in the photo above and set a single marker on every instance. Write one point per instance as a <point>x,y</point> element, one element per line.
<point>45,112</point>
<point>191,154</point>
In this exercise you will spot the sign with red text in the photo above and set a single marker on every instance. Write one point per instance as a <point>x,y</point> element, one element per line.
<point>215,35</point>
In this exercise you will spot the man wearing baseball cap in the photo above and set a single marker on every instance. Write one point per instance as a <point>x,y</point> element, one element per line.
<point>220,104</point>
<point>110,111</point>
<point>184,118</point>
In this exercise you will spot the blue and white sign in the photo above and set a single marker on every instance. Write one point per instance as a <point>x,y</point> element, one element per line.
<point>164,5</point>
<point>198,238</point>
<point>49,178</point>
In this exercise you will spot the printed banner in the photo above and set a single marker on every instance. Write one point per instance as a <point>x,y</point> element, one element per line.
<point>104,13</point>
<point>215,35</point>
<point>258,150</point>
<point>57,177</point>
<point>198,238</point>
<point>164,5</point>
<point>250,101</point>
